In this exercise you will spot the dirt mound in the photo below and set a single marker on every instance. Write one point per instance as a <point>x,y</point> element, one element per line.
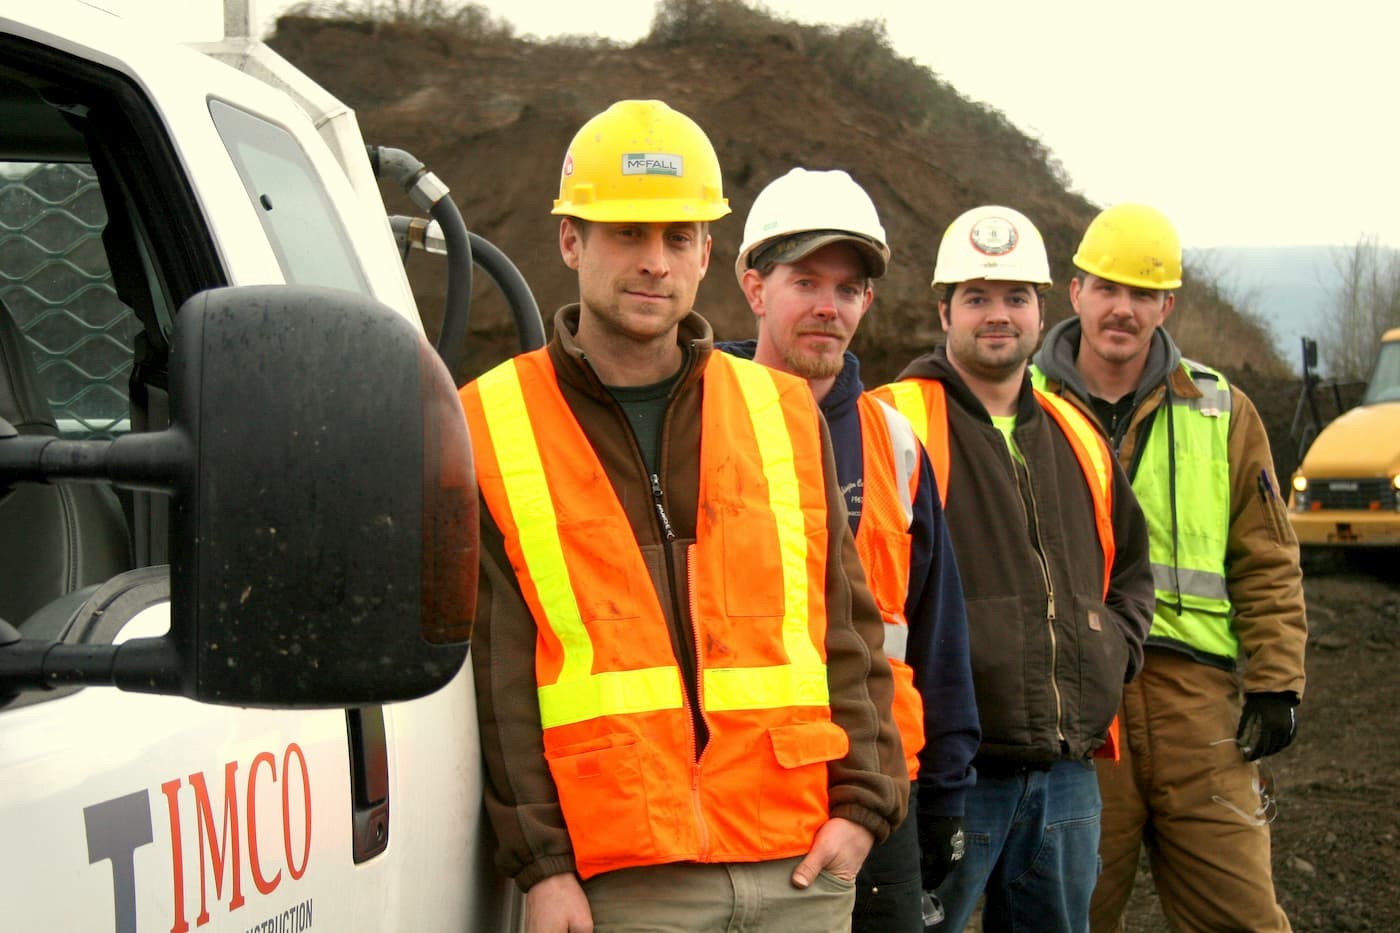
<point>492,117</point>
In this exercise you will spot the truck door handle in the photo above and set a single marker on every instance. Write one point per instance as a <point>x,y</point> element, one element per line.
<point>369,781</point>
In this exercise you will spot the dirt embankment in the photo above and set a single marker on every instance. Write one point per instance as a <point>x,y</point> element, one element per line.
<point>492,116</point>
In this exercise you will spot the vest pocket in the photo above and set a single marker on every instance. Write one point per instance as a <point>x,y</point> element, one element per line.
<point>602,554</point>
<point>886,564</point>
<point>1276,520</point>
<point>753,568</point>
<point>808,743</point>
<point>603,792</point>
<point>794,799</point>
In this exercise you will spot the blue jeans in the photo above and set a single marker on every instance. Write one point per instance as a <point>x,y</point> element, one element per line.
<point>889,888</point>
<point>1033,847</point>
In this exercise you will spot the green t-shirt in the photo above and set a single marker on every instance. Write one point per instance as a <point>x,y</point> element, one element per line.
<point>645,407</point>
<point>1006,424</point>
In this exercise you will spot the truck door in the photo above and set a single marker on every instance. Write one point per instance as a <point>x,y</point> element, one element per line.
<point>130,812</point>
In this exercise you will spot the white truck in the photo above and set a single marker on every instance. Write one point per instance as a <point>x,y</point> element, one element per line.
<point>237,507</point>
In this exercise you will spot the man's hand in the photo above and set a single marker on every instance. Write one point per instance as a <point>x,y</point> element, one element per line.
<point>840,847</point>
<point>557,904</point>
<point>940,848</point>
<point>1267,725</point>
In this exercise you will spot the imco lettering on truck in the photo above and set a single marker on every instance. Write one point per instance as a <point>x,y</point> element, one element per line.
<point>250,813</point>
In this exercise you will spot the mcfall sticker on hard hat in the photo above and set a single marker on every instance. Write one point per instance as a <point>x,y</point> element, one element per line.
<point>993,236</point>
<point>652,163</point>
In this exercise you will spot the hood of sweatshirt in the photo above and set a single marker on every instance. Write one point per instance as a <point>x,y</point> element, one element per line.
<point>935,365</point>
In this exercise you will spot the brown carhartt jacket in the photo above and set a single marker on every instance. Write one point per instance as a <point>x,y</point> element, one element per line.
<point>1050,653</point>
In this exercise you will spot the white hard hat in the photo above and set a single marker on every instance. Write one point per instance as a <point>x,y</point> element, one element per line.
<point>824,207</point>
<point>995,243</point>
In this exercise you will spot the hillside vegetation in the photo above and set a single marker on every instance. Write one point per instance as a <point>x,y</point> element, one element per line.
<point>492,114</point>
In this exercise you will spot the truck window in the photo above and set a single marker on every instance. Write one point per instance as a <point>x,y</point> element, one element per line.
<point>101,240</point>
<point>307,236</point>
<point>56,282</point>
<point>1385,381</point>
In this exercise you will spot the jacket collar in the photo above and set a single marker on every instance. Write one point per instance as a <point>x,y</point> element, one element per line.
<point>935,365</point>
<point>571,364</point>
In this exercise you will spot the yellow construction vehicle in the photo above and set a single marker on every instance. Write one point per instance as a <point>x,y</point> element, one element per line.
<point>1346,491</point>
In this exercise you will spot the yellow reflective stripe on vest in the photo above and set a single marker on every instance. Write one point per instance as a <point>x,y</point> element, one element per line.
<point>1091,439</point>
<point>908,400</point>
<point>1091,450</point>
<point>923,402</point>
<point>611,693</point>
<point>802,681</point>
<point>577,694</point>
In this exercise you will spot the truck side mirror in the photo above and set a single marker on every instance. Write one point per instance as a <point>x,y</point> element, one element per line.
<point>324,514</point>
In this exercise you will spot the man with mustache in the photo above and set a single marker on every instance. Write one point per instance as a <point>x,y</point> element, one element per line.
<point>1052,550</point>
<point>813,245</point>
<point>1230,627</point>
<point>685,709</point>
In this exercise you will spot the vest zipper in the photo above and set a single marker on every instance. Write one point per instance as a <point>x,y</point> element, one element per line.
<point>702,830</point>
<point>661,509</point>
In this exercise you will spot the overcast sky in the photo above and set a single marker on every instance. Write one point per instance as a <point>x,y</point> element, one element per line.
<point>1249,123</point>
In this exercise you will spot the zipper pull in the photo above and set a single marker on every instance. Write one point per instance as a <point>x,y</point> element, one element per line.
<point>1052,605</point>
<point>661,509</point>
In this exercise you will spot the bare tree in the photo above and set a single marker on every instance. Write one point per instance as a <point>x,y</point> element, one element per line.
<point>1367,303</point>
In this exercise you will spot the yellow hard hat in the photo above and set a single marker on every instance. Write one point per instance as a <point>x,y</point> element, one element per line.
<point>1132,244</point>
<point>994,243</point>
<point>639,161</point>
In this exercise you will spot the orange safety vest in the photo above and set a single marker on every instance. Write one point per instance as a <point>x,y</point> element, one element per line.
<point>890,486</point>
<point>924,402</point>
<point>618,734</point>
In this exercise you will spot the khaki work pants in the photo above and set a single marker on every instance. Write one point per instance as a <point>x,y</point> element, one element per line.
<point>1210,860</point>
<point>733,897</point>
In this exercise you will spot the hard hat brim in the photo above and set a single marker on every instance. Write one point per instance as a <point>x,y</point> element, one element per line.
<point>1040,286</point>
<point>1132,281</point>
<point>797,246</point>
<point>657,210</point>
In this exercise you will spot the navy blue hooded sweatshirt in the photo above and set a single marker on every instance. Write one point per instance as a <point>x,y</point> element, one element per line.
<point>938,642</point>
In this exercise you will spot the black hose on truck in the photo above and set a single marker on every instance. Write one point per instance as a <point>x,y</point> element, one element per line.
<point>529,327</point>
<point>429,193</point>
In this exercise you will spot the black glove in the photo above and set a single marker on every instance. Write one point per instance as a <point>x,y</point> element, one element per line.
<point>1267,724</point>
<point>940,848</point>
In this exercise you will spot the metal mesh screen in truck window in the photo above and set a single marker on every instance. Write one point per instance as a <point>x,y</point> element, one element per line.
<point>55,279</point>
